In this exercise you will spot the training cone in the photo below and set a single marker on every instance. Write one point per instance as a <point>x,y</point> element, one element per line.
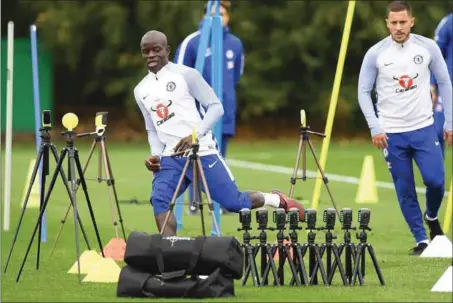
<point>88,259</point>
<point>104,271</point>
<point>444,284</point>
<point>33,199</point>
<point>367,192</point>
<point>440,247</point>
<point>115,249</point>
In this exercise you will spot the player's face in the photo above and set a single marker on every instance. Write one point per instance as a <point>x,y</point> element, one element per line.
<point>223,13</point>
<point>399,25</point>
<point>155,53</point>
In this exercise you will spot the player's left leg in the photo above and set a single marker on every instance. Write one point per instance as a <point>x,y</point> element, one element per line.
<point>429,159</point>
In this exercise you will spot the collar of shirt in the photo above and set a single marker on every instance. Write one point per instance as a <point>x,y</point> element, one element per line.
<point>405,43</point>
<point>161,72</point>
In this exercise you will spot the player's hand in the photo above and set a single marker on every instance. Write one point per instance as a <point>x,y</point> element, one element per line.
<point>153,163</point>
<point>183,145</point>
<point>380,141</point>
<point>448,137</point>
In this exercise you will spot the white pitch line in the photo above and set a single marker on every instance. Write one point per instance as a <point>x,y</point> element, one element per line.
<point>311,174</point>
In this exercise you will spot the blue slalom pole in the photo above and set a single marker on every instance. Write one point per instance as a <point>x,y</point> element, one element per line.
<point>36,100</point>
<point>199,66</point>
<point>217,81</point>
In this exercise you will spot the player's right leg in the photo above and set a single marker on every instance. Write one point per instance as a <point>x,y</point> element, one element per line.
<point>224,190</point>
<point>164,185</point>
<point>399,160</point>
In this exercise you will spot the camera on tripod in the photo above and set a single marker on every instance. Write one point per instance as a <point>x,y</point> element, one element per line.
<point>280,218</point>
<point>293,218</point>
<point>262,218</point>
<point>310,218</point>
<point>329,217</point>
<point>346,218</point>
<point>364,218</point>
<point>245,219</point>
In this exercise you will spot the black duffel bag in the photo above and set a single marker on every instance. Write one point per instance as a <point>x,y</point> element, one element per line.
<point>143,252</point>
<point>134,283</point>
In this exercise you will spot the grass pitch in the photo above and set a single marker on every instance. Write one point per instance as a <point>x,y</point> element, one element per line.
<point>407,278</point>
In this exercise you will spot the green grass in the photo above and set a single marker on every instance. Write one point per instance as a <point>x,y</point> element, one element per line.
<point>407,278</point>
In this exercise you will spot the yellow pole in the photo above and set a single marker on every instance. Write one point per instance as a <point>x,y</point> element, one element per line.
<point>333,100</point>
<point>448,211</point>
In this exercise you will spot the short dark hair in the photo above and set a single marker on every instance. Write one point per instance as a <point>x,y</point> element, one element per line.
<point>225,4</point>
<point>399,6</point>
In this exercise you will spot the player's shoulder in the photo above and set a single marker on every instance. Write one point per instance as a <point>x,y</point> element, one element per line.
<point>138,89</point>
<point>183,70</point>
<point>379,47</point>
<point>423,41</point>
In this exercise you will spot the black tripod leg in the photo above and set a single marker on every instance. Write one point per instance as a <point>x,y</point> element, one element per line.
<point>248,265</point>
<point>44,172</point>
<point>252,256</point>
<point>68,190</point>
<point>358,256</point>
<point>51,185</point>
<point>340,266</point>
<point>291,264</point>
<point>334,265</point>
<point>297,251</point>
<point>85,190</point>
<point>281,264</point>
<point>314,264</point>
<point>376,264</point>
<point>24,207</point>
<point>112,183</point>
<point>319,265</point>
<point>264,279</point>
<point>352,258</point>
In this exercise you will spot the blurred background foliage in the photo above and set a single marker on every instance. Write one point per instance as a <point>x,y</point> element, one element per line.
<point>291,49</point>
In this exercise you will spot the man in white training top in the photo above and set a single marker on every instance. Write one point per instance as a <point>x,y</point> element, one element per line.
<point>398,68</point>
<point>174,100</point>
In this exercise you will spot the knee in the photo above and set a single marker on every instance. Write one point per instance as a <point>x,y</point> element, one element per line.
<point>435,182</point>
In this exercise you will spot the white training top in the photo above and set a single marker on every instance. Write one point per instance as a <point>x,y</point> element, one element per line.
<point>400,74</point>
<point>174,101</point>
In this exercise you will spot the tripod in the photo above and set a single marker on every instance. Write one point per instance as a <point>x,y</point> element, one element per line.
<point>103,159</point>
<point>43,158</point>
<point>250,255</point>
<point>284,254</point>
<point>267,260</point>
<point>298,259</point>
<point>359,263</point>
<point>198,178</point>
<point>350,252</point>
<point>331,248</point>
<point>303,142</point>
<point>73,164</point>
<point>315,259</point>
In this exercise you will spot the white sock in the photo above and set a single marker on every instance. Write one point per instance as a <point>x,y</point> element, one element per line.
<point>271,200</point>
<point>430,219</point>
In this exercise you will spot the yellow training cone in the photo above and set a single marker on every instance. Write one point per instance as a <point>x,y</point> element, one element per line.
<point>88,259</point>
<point>33,199</point>
<point>367,192</point>
<point>105,271</point>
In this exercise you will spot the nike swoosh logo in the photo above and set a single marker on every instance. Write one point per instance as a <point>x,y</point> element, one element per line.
<point>437,142</point>
<point>387,64</point>
<point>212,165</point>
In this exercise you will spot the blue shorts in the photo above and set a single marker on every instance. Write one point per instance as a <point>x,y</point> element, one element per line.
<point>221,184</point>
